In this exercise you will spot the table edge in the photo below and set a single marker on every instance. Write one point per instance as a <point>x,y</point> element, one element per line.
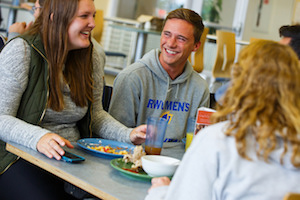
<point>59,173</point>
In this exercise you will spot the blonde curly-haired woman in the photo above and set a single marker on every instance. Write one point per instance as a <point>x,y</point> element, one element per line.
<point>253,150</point>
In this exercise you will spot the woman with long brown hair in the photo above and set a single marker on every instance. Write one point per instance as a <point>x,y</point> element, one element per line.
<point>253,151</point>
<point>51,94</point>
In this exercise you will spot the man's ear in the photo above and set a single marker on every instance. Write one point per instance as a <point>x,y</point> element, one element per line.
<point>196,46</point>
<point>51,17</point>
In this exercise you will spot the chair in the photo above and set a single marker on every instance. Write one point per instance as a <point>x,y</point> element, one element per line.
<point>225,54</point>
<point>198,55</point>
<point>2,42</point>
<point>107,93</point>
<point>292,196</point>
<point>252,39</point>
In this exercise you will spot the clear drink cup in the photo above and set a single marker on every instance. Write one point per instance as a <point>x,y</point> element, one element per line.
<point>190,132</point>
<point>156,130</point>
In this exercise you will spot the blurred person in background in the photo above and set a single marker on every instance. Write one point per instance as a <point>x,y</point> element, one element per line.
<point>18,28</point>
<point>290,35</point>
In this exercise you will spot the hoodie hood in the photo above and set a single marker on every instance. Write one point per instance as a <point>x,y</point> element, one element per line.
<point>149,62</point>
<point>276,154</point>
<point>145,89</point>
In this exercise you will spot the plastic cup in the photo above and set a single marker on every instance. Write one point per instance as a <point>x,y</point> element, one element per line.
<point>156,129</point>
<point>190,132</point>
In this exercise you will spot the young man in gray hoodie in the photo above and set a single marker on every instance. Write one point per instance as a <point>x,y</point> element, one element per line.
<point>163,83</point>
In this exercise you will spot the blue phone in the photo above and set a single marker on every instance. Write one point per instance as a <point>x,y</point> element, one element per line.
<point>71,157</point>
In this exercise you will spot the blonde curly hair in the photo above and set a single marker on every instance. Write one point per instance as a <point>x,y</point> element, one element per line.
<point>264,100</point>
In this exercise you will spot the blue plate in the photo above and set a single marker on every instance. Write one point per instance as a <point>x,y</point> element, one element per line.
<point>94,142</point>
<point>183,140</point>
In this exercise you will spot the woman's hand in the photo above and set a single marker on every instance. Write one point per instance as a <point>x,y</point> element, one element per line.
<point>138,135</point>
<point>161,181</point>
<point>50,145</point>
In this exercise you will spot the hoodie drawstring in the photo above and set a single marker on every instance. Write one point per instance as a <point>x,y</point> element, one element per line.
<point>168,86</point>
<point>169,89</point>
<point>177,90</point>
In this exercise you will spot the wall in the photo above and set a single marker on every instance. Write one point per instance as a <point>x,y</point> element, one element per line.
<point>280,14</point>
<point>127,9</point>
<point>102,5</point>
<point>132,9</point>
<point>227,13</point>
<point>145,7</point>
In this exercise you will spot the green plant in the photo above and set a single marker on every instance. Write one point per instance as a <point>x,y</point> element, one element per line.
<point>211,11</point>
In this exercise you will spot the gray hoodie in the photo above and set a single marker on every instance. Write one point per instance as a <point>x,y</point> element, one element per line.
<point>145,89</point>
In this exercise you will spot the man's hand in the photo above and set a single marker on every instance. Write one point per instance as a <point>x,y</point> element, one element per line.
<point>138,135</point>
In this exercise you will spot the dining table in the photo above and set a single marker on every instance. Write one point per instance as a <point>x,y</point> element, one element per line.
<point>95,175</point>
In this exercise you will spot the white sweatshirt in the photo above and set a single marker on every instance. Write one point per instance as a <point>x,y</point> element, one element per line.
<point>213,170</point>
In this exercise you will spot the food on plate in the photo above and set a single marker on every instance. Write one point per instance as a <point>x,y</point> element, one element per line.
<point>135,158</point>
<point>109,149</point>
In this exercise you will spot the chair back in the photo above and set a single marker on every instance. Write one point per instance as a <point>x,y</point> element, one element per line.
<point>257,39</point>
<point>225,54</point>
<point>107,93</point>
<point>196,58</point>
<point>292,196</point>
<point>252,39</point>
<point>98,30</point>
<point>2,42</point>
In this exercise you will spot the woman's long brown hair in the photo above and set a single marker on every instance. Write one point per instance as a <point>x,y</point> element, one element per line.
<point>73,67</point>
